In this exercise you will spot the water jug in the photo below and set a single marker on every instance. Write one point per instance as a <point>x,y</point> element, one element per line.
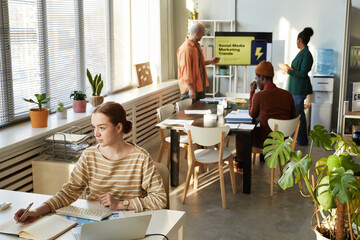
<point>325,61</point>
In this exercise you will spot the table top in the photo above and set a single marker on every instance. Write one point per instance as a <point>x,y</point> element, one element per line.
<point>199,118</point>
<point>162,221</point>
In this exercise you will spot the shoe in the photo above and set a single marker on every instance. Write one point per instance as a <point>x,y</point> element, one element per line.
<point>237,168</point>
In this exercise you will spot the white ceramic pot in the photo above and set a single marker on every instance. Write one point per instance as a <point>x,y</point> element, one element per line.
<point>61,115</point>
<point>319,236</point>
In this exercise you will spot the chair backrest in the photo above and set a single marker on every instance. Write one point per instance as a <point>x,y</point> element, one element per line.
<point>165,112</point>
<point>164,173</point>
<point>206,136</point>
<point>237,95</point>
<point>181,105</point>
<point>287,127</point>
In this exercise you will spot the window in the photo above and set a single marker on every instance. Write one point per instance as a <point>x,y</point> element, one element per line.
<point>47,45</point>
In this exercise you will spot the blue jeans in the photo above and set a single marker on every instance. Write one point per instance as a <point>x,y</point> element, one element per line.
<point>302,137</point>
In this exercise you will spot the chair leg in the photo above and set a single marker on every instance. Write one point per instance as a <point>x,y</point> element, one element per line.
<point>222,185</point>
<point>272,181</point>
<point>196,177</point>
<point>188,177</point>
<point>161,153</point>
<point>168,159</point>
<point>232,175</point>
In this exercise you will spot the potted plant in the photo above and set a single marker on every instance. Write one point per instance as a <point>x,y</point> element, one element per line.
<point>96,85</point>
<point>61,111</point>
<point>223,70</point>
<point>79,101</point>
<point>39,116</point>
<point>332,183</point>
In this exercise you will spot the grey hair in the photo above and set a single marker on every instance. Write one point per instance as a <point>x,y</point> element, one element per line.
<point>196,28</point>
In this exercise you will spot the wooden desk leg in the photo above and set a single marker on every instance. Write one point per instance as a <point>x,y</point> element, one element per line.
<point>243,157</point>
<point>174,158</point>
<point>181,233</point>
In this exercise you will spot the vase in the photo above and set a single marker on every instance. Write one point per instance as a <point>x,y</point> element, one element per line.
<point>356,137</point>
<point>39,118</point>
<point>79,106</point>
<point>61,115</point>
<point>223,71</point>
<point>96,100</point>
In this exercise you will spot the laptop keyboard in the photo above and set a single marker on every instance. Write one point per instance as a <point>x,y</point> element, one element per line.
<point>94,214</point>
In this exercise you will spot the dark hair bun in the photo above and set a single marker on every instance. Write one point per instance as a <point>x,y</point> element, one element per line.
<point>308,31</point>
<point>127,126</point>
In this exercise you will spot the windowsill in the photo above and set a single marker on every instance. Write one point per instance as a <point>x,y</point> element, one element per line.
<point>23,133</point>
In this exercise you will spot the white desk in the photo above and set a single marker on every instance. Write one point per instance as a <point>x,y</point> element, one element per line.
<point>167,222</point>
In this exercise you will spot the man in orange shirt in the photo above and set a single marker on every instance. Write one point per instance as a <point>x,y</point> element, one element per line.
<point>193,79</point>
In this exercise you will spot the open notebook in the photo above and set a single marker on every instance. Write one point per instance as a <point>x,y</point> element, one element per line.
<point>47,227</point>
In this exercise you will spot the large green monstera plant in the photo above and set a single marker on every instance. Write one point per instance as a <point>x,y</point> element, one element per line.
<point>332,182</point>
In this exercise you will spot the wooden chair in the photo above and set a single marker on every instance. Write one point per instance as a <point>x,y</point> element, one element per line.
<point>165,176</point>
<point>181,105</point>
<point>288,128</point>
<point>163,113</point>
<point>208,137</point>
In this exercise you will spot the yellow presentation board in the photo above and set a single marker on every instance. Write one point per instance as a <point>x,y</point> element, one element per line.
<point>231,49</point>
<point>243,48</point>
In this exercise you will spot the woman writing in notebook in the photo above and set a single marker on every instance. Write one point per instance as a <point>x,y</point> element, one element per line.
<point>118,174</point>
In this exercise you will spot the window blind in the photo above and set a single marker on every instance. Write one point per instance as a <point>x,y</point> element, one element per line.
<point>46,46</point>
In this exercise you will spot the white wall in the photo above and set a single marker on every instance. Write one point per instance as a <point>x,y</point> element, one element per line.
<point>285,19</point>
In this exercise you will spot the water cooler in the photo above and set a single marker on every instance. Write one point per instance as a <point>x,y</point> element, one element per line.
<point>322,101</point>
<point>323,86</point>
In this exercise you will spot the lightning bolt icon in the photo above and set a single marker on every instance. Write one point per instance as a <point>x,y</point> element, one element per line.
<point>258,53</point>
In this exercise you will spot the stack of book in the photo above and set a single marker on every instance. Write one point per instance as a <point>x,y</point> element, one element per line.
<point>239,116</point>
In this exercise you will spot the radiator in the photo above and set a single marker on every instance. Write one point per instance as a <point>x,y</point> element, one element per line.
<point>16,165</point>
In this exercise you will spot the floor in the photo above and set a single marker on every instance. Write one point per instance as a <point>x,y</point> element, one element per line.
<point>286,215</point>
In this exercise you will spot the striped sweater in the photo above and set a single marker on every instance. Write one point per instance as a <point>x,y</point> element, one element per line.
<point>133,177</point>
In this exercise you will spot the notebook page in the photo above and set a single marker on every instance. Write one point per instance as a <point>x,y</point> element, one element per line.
<point>10,227</point>
<point>41,230</point>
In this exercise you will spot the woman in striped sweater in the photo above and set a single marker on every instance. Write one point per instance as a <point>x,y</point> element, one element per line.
<point>118,174</point>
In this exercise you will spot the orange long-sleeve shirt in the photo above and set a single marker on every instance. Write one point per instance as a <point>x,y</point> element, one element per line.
<point>188,67</point>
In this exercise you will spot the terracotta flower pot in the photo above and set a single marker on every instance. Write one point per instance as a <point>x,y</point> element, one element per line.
<point>39,118</point>
<point>79,106</point>
<point>96,100</point>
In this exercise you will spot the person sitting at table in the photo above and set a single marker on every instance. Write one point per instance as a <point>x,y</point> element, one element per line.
<point>269,102</point>
<point>118,174</point>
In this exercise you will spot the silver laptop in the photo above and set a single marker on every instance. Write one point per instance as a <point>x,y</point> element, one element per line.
<point>118,229</point>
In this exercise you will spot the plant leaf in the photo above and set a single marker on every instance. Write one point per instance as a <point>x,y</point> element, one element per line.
<point>342,145</point>
<point>342,183</point>
<point>321,137</point>
<point>294,168</point>
<point>276,148</point>
<point>326,200</point>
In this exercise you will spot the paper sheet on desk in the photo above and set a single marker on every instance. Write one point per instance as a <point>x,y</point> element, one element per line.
<point>208,111</point>
<point>176,122</point>
<point>232,125</point>
<point>246,126</point>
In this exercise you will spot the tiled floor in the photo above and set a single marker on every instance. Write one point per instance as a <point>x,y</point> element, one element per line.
<point>286,215</point>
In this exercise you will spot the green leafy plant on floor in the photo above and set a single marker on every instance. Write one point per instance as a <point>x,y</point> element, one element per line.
<point>332,183</point>
<point>41,99</point>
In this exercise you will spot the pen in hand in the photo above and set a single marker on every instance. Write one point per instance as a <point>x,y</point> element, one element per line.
<point>26,210</point>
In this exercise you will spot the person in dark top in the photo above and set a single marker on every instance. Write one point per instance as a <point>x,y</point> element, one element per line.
<point>299,82</point>
<point>269,102</point>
